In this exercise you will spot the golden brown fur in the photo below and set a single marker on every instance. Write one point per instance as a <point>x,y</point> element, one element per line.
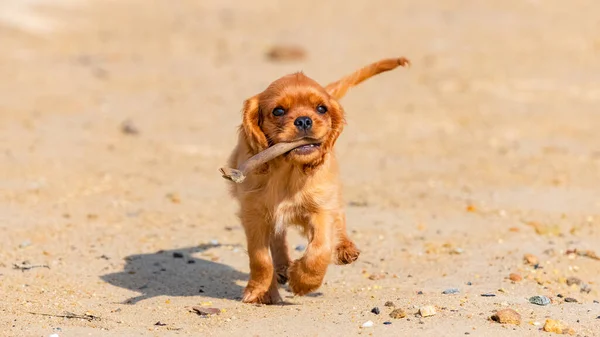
<point>300,188</point>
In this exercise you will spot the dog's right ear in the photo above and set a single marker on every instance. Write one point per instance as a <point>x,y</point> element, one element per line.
<point>251,126</point>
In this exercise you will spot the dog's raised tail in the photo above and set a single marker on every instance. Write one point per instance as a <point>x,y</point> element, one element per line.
<point>339,88</point>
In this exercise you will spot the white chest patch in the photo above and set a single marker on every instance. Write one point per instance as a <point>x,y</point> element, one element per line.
<point>286,212</point>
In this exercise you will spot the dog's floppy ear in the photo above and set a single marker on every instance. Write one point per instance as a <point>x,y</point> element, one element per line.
<point>251,122</point>
<point>337,125</point>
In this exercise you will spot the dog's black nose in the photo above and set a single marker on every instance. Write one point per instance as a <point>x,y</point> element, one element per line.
<point>303,123</point>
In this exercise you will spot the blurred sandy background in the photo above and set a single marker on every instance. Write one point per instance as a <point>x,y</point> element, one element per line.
<point>115,116</point>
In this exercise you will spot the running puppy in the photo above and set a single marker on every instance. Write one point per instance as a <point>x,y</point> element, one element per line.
<point>299,187</point>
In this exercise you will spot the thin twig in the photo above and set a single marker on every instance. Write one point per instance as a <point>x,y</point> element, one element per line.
<point>67,314</point>
<point>26,267</point>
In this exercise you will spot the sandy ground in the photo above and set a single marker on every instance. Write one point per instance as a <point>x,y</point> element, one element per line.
<point>485,150</point>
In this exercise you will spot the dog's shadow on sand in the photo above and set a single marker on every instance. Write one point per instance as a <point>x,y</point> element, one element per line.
<point>177,273</point>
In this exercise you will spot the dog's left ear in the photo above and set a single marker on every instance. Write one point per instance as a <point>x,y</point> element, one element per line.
<point>251,122</point>
<point>337,125</point>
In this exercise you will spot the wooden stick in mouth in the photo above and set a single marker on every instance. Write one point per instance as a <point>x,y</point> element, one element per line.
<point>239,175</point>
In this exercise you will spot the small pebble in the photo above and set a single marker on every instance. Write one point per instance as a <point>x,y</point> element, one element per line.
<point>419,292</point>
<point>570,300</point>
<point>53,335</point>
<point>515,277</point>
<point>178,255</point>
<point>427,311</point>
<point>387,323</point>
<point>559,295</point>
<point>573,280</point>
<point>539,300</point>
<point>173,197</point>
<point>206,311</point>
<point>376,277</point>
<point>507,316</point>
<point>389,304</point>
<point>398,313</point>
<point>450,291</point>
<point>375,311</point>
<point>300,248</point>
<point>585,288</point>
<point>128,128</point>
<point>469,283</point>
<point>367,324</point>
<point>531,259</point>
<point>457,251</point>
<point>25,243</point>
<point>557,327</point>
<point>214,242</point>
<point>488,295</point>
<point>286,53</point>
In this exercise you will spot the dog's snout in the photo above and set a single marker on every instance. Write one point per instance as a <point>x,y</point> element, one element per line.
<point>303,123</point>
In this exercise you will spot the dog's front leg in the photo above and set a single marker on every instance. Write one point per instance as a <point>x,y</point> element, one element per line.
<point>262,286</point>
<point>306,274</point>
<point>345,250</point>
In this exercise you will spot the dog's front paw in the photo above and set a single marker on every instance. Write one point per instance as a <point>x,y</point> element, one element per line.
<point>261,296</point>
<point>302,282</point>
<point>346,252</point>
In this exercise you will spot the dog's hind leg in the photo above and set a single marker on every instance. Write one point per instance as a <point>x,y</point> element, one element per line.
<point>280,255</point>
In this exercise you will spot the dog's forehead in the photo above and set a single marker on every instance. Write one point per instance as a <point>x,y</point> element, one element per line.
<point>296,78</point>
<point>293,83</point>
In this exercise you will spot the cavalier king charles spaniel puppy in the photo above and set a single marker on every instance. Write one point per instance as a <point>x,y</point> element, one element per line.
<point>300,188</point>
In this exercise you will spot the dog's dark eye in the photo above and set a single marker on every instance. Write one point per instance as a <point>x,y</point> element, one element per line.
<point>278,111</point>
<point>321,109</point>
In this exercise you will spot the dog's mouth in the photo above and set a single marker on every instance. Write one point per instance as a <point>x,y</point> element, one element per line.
<point>306,149</point>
